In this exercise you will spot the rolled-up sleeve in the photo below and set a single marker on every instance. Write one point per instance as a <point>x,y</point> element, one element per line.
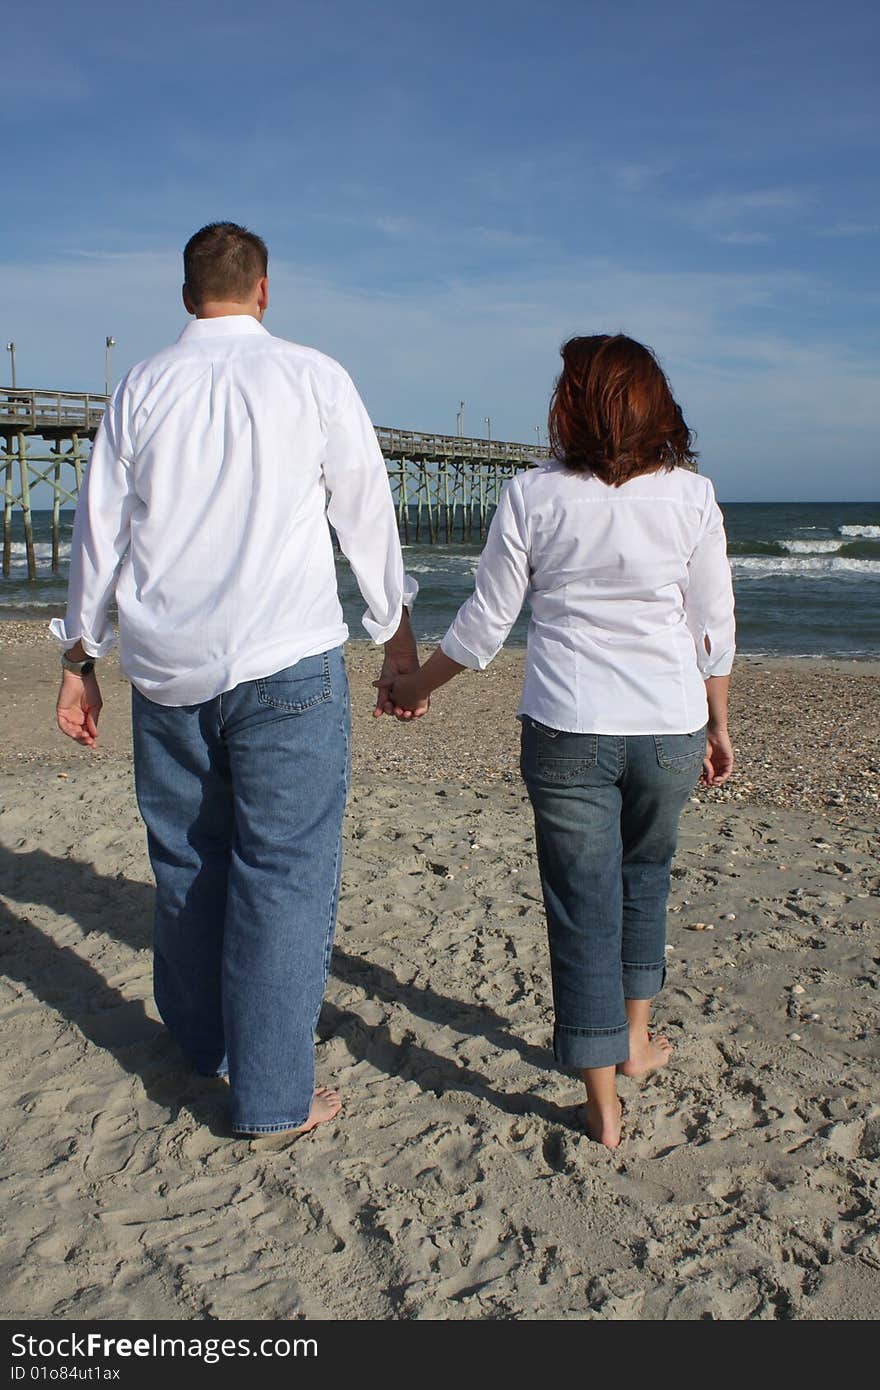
<point>483,622</point>
<point>101,534</point>
<point>708,599</point>
<point>361,512</point>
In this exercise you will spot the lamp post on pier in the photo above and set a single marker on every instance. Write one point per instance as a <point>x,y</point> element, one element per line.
<point>10,348</point>
<point>459,419</point>
<point>108,344</point>
<point>538,435</point>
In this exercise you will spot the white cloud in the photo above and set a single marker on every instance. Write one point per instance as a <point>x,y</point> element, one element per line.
<point>744,238</point>
<point>637,178</point>
<point>731,216</point>
<point>396,226</point>
<point>850,229</point>
<point>747,382</point>
<point>721,206</point>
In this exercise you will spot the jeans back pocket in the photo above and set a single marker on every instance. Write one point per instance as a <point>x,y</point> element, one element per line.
<point>298,687</point>
<point>552,755</point>
<point>681,752</point>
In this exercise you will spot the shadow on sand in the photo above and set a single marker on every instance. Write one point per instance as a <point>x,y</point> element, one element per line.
<point>122,909</point>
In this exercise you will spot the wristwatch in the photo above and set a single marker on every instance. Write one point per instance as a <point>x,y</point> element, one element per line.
<point>79,668</point>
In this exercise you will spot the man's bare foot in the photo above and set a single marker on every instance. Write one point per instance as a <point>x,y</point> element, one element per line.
<point>604,1124</point>
<point>326,1105</point>
<point>646,1054</point>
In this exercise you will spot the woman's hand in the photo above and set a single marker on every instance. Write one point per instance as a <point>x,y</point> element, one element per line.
<point>718,762</point>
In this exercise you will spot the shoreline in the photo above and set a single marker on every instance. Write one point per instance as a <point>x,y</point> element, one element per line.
<point>804,729</point>
<point>17,622</point>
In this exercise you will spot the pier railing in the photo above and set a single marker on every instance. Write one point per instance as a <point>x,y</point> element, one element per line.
<point>445,487</point>
<point>411,445</point>
<point>48,413</point>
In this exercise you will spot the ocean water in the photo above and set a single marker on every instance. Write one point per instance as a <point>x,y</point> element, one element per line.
<point>806,576</point>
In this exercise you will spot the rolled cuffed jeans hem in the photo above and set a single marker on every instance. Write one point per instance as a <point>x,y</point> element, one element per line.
<point>643,981</point>
<point>244,1130</point>
<point>590,1047</point>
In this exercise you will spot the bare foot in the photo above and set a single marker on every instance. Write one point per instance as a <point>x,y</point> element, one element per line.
<point>604,1124</point>
<point>646,1054</point>
<point>326,1104</point>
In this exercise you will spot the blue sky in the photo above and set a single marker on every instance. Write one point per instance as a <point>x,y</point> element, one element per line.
<point>449,191</point>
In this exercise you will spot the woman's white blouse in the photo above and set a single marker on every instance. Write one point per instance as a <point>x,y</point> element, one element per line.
<point>630,594</point>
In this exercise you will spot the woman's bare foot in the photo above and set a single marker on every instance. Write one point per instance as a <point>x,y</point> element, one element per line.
<point>604,1123</point>
<point>326,1104</point>
<point>646,1054</point>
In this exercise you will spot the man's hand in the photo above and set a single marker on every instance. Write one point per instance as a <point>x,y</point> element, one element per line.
<point>78,708</point>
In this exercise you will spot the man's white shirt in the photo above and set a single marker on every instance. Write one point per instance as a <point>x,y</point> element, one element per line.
<point>205,508</point>
<point>630,592</point>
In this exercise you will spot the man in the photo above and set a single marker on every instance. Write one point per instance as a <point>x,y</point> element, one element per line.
<point>205,509</point>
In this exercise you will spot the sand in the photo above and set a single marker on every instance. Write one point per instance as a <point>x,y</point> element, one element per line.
<point>456,1184</point>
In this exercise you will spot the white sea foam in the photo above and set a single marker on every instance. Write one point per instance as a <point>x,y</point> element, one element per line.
<point>871,533</point>
<point>24,601</point>
<point>799,566</point>
<point>444,565</point>
<point>811,547</point>
<point>42,551</point>
<point>18,565</point>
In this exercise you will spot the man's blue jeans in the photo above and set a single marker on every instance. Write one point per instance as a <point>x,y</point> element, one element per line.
<point>243,798</point>
<point>606,822</point>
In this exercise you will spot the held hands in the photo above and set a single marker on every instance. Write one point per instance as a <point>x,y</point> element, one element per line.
<point>78,708</point>
<point>718,762</point>
<point>401,659</point>
<point>408,698</point>
<point>405,687</point>
<point>397,669</point>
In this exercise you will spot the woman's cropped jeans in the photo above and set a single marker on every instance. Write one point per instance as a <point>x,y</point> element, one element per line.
<point>243,798</point>
<point>606,822</point>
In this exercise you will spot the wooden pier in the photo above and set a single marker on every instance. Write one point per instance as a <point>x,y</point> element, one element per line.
<point>445,488</point>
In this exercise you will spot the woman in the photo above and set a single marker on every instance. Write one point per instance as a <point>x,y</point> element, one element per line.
<point>620,547</point>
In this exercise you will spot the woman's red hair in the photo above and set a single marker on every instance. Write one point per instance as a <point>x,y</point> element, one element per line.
<point>613,413</point>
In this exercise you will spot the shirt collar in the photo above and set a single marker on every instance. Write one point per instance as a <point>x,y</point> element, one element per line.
<point>226,326</point>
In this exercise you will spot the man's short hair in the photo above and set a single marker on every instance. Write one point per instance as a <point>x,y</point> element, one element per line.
<point>223,261</point>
